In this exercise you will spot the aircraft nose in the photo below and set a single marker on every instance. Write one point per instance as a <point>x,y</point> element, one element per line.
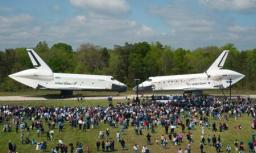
<point>119,87</point>
<point>144,86</point>
<point>18,74</point>
<point>14,75</point>
<point>238,76</point>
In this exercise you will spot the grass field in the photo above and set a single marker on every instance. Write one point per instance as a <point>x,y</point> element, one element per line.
<point>54,93</point>
<point>90,136</point>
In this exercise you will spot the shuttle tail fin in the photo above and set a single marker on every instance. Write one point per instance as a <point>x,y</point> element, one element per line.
<point>219,62</point>
<point>37,62</point>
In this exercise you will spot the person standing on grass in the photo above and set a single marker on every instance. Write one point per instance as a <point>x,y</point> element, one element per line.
<point>209,140</point>
<point>228,149</point>
<point>122,143</point>
<point>201,148</point>
<point>148,139</point>
<point>107,132</point>
<point>236,145</point>
<point>188,148</point>
<point>135,148</point>
<point>71,148</point>
<point>118,136</point>
<point>143,150</point>
<point>214,140</point>
<point>203,140</point>
<point>10,147</point>
<point>103,145</point>
<point>98,145</point>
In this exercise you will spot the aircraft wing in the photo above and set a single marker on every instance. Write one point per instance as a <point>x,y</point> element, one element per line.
<point>68,87</point>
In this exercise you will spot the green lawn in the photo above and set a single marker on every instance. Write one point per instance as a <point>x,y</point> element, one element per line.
<point>90,136</point>
<point>55,93</point>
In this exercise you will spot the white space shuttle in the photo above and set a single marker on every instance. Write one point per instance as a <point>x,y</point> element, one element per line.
<point>42,77</point>
<point>214,78</point>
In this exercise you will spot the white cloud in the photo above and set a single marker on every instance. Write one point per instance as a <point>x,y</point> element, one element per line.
<point>110,6</point>
<point>247,33</point>
<point>102,30</point>
<point>238,5</point>
<point>18,31</point>
<point>189,28</point>
<point>242,36</point>
<point>237,29</point>
<point>7,21</point>
<point>80,19</point>
<point>145,30</point>
<point>184,20</point>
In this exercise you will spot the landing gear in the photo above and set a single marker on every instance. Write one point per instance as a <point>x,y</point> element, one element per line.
<point>193,93</point>
<point>66,93</point>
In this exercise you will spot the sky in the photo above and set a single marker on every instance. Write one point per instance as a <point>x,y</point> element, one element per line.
<point>177,23</point>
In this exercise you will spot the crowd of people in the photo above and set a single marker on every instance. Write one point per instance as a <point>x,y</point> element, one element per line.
<point>186,114</point>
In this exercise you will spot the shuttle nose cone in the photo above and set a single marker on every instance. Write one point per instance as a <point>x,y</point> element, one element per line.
<point>236,77</point>
<point>240,76</point>
<point>119,88</point>
<point>10,76</point>
<point>13,76</point>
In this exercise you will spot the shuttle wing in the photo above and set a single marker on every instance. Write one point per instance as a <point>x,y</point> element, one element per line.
<point>69,87</point>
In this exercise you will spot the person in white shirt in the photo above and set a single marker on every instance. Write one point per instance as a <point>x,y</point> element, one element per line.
<point>135,148</point>
<point>143,150</point>
<point>118,136</point>
<point>180,150</point>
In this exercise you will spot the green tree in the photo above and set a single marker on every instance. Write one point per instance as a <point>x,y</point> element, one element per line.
<point>60,58</point>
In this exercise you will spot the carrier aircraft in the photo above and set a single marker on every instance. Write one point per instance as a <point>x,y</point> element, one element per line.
<point>214,78</point>
<point>42,77</point>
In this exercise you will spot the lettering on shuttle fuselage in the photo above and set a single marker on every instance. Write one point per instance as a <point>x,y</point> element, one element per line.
<point>66,83</point>
<point>199,83</point>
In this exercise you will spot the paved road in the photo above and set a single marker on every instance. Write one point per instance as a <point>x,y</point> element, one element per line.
<point>28,98</point>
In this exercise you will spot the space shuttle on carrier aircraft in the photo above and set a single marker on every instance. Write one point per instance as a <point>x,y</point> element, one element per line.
<point>42,77</point>
<point>214,78</point>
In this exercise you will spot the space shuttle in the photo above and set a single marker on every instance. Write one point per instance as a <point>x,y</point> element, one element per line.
<point>214,78</point>
<point>42,77</point>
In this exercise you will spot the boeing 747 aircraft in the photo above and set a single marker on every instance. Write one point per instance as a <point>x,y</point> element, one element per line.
<point>42,77</point>
<point>214,78</point>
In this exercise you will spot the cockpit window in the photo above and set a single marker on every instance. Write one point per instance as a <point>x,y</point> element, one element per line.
<point>149,79</point>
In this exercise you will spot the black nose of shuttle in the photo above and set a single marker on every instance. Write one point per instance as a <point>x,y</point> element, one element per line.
<point>119,88</point>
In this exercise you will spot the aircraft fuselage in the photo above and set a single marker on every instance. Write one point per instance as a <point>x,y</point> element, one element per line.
<point>199,81</point>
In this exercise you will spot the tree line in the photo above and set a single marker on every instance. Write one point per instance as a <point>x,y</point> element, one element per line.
<point>127,62</point>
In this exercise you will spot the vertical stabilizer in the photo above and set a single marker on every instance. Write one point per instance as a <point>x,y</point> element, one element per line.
<point>37,62</point>
<point>219,62</point>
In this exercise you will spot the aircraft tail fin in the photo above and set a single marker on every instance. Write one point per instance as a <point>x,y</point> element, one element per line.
<point>36,60</point>
<point>219,62</point>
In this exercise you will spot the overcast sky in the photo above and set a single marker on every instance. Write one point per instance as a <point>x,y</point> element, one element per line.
<point>177,23</point>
